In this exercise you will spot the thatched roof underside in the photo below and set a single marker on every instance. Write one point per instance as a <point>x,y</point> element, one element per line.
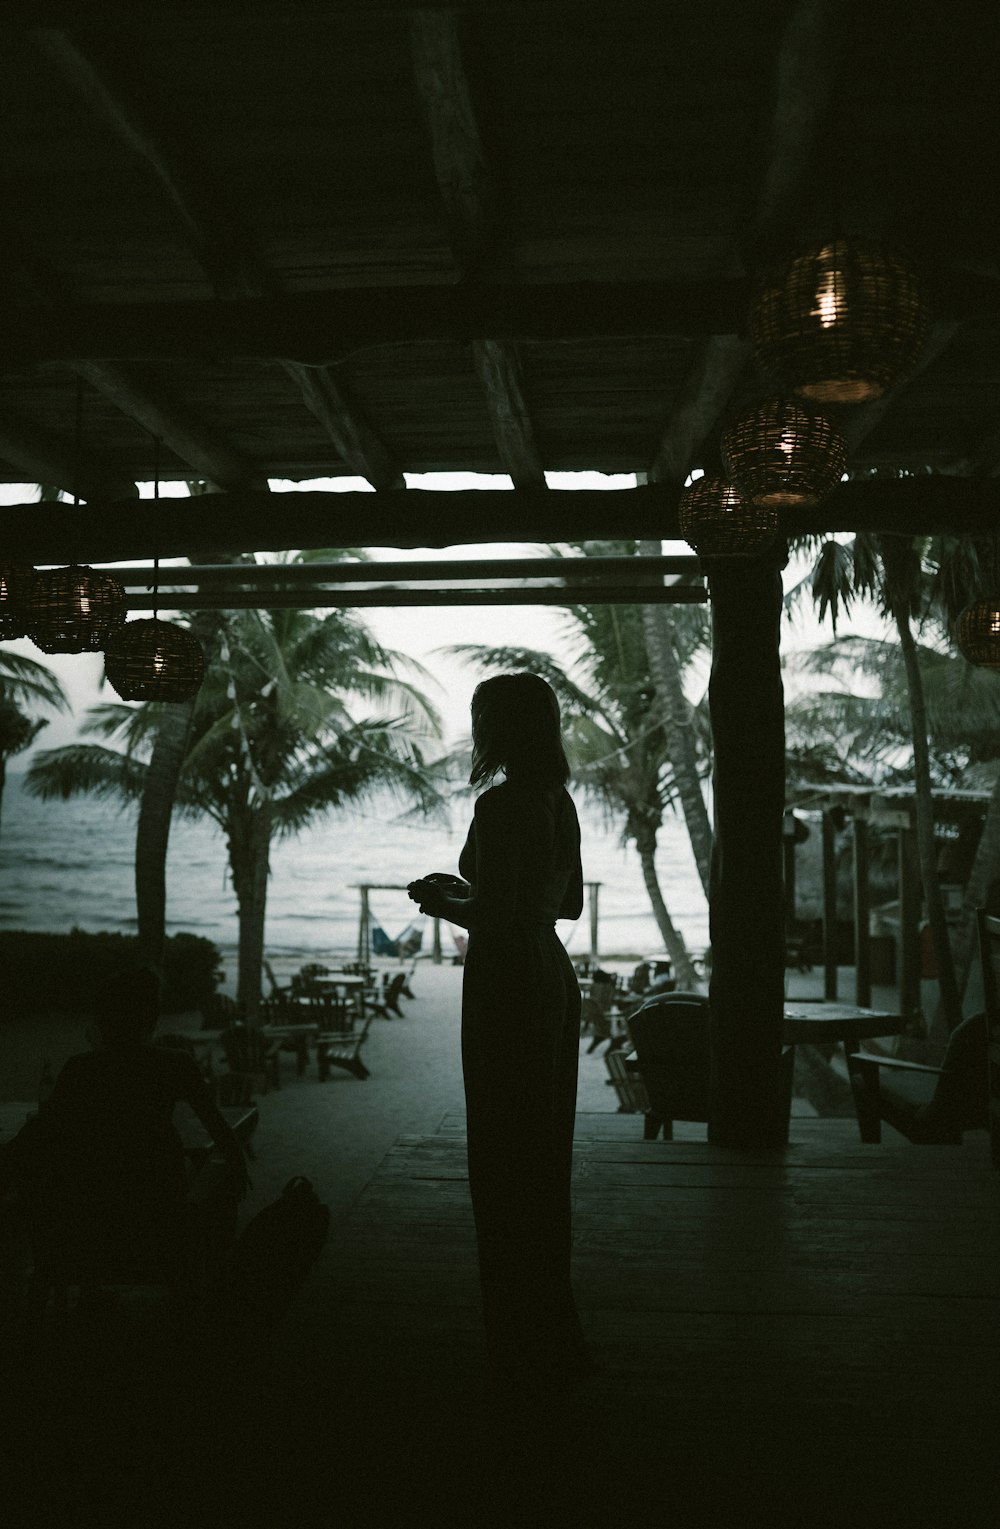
<point>251,242</point>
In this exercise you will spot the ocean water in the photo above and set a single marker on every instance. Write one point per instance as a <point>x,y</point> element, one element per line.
<point>70,864</point>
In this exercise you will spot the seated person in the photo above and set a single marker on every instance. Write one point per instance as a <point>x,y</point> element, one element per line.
<point>101,1166</point>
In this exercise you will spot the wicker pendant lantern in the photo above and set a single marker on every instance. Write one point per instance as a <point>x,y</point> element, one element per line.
<point>843,322</point>
<point>74,609</point>
<point>15,588</point>
<point>154,661</point>
<point>716,522</point>
<point>779,453</point>
<point>977,633</point>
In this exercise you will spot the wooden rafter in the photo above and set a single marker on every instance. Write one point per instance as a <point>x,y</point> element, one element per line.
<point>44,458</point>
<point>203,449</point>
<point>470,202</point>
<point>703,396</point>
<point>223,250</point>
<point>247,522</point>
<point>860,423</point>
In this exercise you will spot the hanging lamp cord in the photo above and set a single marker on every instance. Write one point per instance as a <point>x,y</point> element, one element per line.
<point>156,527</point>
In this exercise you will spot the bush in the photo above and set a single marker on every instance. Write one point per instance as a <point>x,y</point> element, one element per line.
<point>53,972</point>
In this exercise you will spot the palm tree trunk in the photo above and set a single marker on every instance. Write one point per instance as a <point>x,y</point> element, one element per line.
<point>950,1006</point>
<point>153,829</point>
<point>985,869</point>
<point>664,671</point>
<point>673,940</point>
<point>249,858</point>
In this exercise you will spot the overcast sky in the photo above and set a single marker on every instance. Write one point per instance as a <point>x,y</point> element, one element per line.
<point>417,631</point>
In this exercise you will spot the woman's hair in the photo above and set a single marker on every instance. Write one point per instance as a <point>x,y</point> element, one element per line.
<point>515,728</point>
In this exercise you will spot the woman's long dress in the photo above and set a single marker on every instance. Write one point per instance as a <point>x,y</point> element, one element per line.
<point>520,1051</point>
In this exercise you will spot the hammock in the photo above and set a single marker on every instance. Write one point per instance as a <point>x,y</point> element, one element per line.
<point>406,943</point>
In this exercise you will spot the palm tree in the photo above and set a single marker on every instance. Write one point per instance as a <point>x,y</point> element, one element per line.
<point>616,734</point>
<point>913,581</point>
<point>841,734</point>
<point>663,633</point>
<point>23,682</point>
<point>272,746</point>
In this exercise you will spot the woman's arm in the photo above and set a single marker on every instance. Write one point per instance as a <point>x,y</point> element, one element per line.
<point>498,837</point>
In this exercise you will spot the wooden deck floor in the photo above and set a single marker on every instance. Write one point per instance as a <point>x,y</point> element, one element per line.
<point>813,1332</point>
<point>808,1336</point>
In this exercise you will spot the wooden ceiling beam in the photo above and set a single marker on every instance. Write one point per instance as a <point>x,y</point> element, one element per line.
<point>858,424</point>
<point>204,450</point>
<point>357,441</point>
<point>320,328</point>
<point>47,459</point>
<point>469,198</point>
<point>395,596</point>
<point>223,250</point>
<point>260,522</point>
<point>704,394</point>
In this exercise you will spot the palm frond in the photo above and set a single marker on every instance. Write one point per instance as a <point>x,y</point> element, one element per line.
<point>85,769</point>
<point>24,680</point>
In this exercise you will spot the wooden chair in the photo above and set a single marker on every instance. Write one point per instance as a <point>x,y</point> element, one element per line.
<point>384,1001</point>
<point>103,1203</point>
<point>253,1056</point>
<point>989,950</point>
<point>335,1012</point>
<point>343,1051</point>
<point>628,1085</point>
<point>950,1103</point>
<point>673,1057</point>
<point>406,990</point>
<point>671,1038</point>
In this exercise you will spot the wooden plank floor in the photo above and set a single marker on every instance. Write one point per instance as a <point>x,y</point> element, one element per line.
<point>809,1335</point>
<point>802,1331</point>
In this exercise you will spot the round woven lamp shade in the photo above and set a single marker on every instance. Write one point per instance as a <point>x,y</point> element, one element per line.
<point>977,632</point>
<point>780,453</point>
<point>716,522</point>
<point>73,610</point>
<point>15,589</point>
<point>843,322</point>
<point>154,661</point>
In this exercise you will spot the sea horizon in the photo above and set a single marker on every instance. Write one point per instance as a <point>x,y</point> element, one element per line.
<point>67,865</point>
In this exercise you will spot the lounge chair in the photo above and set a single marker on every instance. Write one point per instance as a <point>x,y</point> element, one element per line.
<point>343,1051</point>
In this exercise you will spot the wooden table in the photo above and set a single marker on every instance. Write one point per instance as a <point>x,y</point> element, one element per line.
<point>299,1034</point>
<point>831,1024</point>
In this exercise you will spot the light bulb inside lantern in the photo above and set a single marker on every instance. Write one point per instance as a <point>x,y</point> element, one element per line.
<point>827,308</point>
<point>787,443</point>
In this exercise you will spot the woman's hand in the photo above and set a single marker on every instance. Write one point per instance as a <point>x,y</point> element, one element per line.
<point>433,891</point>
<point>425,892</point>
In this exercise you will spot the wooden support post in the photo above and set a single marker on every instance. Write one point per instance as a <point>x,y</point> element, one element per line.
<point>862,912</point>
<point>364,938</point>
<point>788,864</point>
<point>910,902</point>
<point>829,908</point>
<point>592,890</point>
<point>750,1098</point>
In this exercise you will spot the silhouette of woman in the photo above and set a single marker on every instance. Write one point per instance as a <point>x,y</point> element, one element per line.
<point>520,1027</point>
